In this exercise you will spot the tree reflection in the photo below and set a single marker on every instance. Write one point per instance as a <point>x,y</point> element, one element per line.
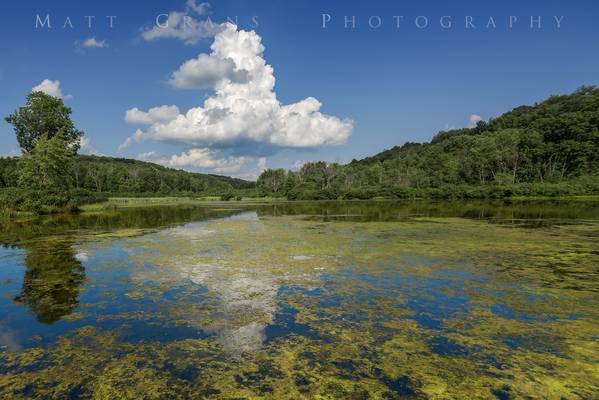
<point>52,281</point>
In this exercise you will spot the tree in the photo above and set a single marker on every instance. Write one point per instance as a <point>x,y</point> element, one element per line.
<point>47,166</point>
<point>43,115</point>
<point>272,180</point>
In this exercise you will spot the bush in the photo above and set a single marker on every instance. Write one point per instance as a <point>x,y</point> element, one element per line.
<point>226,196</point>
<point>46,202</point>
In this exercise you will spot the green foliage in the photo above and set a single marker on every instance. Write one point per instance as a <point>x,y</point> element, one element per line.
<point>47,166</point>
<point>227,196</point>
<point>52,281</point>
<point>549,149</point>
<point>126,177</point>
<point>43,115</point>
<point>272,180</point>
<point>46,201</point>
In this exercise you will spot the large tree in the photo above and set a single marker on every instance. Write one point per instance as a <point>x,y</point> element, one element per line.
<point>43,115</point>
<point>48,166</point>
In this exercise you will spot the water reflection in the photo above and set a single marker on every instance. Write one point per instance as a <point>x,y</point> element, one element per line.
<point>281,301</point>
<point>53,280</point>
<point>245,297</point>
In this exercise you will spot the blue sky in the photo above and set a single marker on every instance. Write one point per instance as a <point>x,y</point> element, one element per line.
<point>377,87</point>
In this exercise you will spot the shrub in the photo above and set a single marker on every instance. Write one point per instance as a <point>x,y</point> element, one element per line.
<point>46,202</point>
<point>226,196</point>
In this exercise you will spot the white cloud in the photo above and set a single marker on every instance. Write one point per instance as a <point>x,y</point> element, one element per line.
<point>200,9</point>
<point>148,156</point>
<point>51,88</point>
<point>199,158</point>
<point>298,164</point>
<point>86,146</point>
<point>474,119</point>
<point>205,72</point>
<point>136,137</point>
<point>181,25</point>
<point>92,42</point>
<point>154,115</point>
<point>244,111</point>
<point>205,159</point>
<point>262,164</point>
<point>125,144</point>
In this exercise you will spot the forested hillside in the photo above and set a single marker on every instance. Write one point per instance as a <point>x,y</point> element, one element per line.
<point>130,177</point>
<point>550,148</point>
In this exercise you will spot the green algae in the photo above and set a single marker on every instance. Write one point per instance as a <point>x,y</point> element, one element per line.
<point>293,307</point>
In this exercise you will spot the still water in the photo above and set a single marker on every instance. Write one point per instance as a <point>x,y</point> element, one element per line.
<point>312,300</point>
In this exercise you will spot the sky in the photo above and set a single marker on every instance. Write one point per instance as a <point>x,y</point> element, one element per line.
<point>233,87</point>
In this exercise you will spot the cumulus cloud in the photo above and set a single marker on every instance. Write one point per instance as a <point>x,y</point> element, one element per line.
<point>136,137</point>
<point>205,158</point>
<point>182,25</point>
<point>205,72</point>
<point>473,120</point>
<point>154,115</point>
<point>51,88</point>
<point>86,147</point>
<point>199,158</point>
<point>94,43</point>
<point>244,107</point>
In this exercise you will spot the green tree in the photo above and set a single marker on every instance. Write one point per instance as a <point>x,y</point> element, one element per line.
<point>43,115</point>
<point>47,166</point>
<point>272,180</point>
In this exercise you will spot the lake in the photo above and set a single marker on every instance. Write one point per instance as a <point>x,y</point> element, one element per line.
<point>317,300</point>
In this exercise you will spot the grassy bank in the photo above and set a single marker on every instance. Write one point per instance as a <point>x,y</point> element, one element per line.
<point>131,202</point>
<point>117,203</point>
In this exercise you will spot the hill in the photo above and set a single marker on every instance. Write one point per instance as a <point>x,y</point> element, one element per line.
<point>550,148</point>
<point>122,176</point>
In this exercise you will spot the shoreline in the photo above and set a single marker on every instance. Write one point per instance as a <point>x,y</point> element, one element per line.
<point>122,203</point>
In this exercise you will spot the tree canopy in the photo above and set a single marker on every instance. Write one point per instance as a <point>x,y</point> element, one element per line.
<point>550,143</point>
<point>41,115</point>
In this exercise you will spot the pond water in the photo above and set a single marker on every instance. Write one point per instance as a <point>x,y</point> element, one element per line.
<point>303,300</point>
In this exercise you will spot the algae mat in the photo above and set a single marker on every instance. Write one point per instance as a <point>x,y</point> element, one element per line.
<point>285,303</point>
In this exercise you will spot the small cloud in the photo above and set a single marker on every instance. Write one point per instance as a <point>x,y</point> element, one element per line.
<point>199,159</point>
<point>262,165</point>
<point>157,114</point>
<point>200,9</point>
<point>181,25</point>
<point>92,42</point>
<point>136,137</point>
<point>474,119</point>
<point>51,88</point>
<point>298,164</point>
<point>205,158</point>
<point>86,147</point>
<point>148,156</point>
<point>126,143</point>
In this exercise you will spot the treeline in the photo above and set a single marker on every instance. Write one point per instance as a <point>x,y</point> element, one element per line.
<point>124,177</point>
<point>49,176</point>
<point>549,149</point>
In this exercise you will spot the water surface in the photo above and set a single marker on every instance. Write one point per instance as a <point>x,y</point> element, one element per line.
<point>303,300</point>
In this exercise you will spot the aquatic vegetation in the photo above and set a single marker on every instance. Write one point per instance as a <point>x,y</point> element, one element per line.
<point>277,304</point>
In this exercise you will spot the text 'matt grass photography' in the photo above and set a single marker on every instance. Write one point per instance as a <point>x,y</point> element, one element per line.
<point>319,199</point>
